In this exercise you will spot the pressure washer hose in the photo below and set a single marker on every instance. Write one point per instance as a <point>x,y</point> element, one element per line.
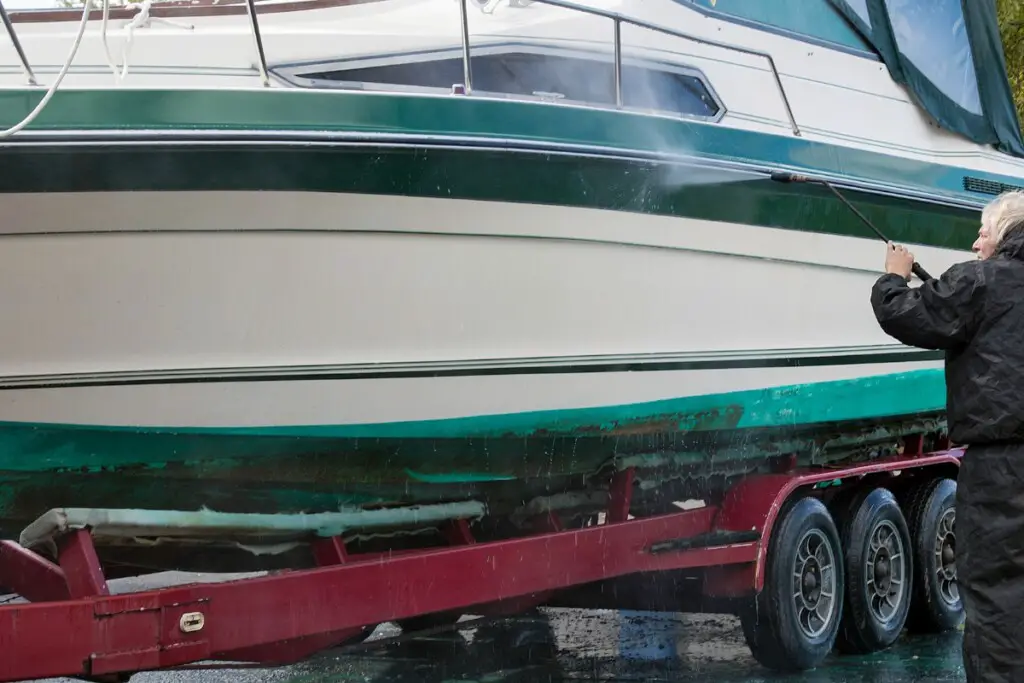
<point>784,177</point>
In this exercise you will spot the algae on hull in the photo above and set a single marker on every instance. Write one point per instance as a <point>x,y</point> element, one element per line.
<point>504,461</point>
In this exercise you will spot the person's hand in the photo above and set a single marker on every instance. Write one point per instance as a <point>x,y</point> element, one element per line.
<point>898,260</point>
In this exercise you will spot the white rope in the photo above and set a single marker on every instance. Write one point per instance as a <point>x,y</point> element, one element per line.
<point>106,45</point>
<point>60,76</point>
<point>141,19</point>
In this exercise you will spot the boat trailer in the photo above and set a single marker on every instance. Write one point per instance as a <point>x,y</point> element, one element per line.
<point>744,547</point>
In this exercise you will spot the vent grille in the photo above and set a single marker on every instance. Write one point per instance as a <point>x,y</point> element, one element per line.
<point>972,184</point>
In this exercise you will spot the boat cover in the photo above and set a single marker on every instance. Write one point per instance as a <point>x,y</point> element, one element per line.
<point>947,53</point>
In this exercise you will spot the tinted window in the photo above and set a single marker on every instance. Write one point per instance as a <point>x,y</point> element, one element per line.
<point>932,35</point>
<point>530,74</point>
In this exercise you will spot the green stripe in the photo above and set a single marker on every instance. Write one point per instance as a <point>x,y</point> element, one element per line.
<point>309,110</point>
<point>576,181</point>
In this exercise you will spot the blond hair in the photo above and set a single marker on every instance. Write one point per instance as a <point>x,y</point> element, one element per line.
<point>1004,213</point>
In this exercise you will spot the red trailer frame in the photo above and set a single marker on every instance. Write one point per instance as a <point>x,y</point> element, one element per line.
<point>73,626</point>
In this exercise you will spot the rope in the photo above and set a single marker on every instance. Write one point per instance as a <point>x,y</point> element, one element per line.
<point>141,18</point>
<point>60,76</point>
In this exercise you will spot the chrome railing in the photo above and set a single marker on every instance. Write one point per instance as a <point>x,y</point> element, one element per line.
<point>17,45</point>
<point>617,21</point>
<point>254,23</point>
<point>467,69</point>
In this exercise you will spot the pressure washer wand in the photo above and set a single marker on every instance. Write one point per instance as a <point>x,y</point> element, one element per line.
<point>783,177</point>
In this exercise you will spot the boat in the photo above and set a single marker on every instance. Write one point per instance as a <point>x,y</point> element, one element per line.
<point>288,256</point>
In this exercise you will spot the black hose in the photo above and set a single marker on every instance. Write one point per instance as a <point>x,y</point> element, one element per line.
<point>783,177</point>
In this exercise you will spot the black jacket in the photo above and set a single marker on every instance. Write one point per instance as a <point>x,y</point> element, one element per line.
<point>975,313</point>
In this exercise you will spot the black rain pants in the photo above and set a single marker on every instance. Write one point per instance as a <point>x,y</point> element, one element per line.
<point>990,561</point>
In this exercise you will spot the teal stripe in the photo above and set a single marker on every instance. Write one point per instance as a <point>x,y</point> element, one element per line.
<point>349,112</point>
<point>278,471</point>
<point>456,478</point>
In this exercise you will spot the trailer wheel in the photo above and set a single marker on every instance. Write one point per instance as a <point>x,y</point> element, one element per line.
<point>793,622</point>
<point>931,516</point>
<point>879,572</point>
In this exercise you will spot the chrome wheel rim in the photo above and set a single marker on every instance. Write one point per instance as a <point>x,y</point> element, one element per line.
<point>885,571</point>
<point>814,583</point>
<point>945,559</point>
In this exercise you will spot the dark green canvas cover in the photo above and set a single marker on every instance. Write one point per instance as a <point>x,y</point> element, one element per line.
<point>949,54</point>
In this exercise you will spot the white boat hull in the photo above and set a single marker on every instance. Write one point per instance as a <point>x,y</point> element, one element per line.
<point>285,352</point>
<point>148,287</point>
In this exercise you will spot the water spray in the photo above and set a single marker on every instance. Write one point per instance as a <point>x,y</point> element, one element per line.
<point>784,177</point>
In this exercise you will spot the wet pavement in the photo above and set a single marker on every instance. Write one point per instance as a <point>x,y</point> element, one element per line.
<point>572,645</point>
<point>553,645</point>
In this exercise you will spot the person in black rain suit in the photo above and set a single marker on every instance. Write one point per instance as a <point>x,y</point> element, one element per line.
<point>974,313</point>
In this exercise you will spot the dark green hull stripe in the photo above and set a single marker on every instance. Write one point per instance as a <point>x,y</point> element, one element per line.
<point>295,110</point>
<point>291,375</point>
<point>615,184</point>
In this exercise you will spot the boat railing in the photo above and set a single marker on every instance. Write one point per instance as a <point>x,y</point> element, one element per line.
<point>17,44</point>
<point>617,20</point>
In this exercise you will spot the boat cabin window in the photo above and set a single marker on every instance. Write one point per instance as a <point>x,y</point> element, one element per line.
<point>950,64</point>
<point>526,73</point>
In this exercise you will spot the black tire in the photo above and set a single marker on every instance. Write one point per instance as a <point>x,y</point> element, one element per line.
<point>931,513</point>
<point>774,626</point>
<point>879,572</point>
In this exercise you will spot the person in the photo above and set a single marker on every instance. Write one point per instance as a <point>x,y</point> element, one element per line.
<point>974,313</point>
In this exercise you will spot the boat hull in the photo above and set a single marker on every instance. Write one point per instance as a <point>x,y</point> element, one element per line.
<point>504,460</point>
<point>144,285</point>
<point>285,351</point>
